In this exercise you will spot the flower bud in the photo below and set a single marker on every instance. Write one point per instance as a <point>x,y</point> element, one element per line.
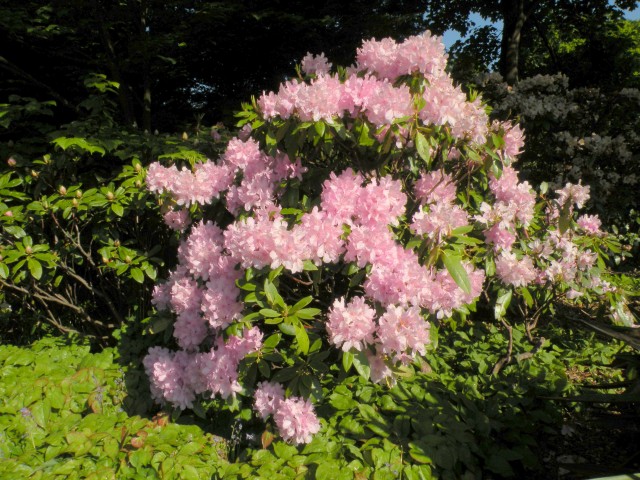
<point>137,442</point>
<point>8,213</point>
<point>138,184</point>
<point>74,203</point>
<point>127,259</point>
<point>117,243</point>
<point>11,162</point>
<point>185,136</point>
<point>28,250</point>
<point>62,190</point>
<point>78,193</point>
<point>138,167</point>
<point>34,174</point>
<point>110,196</point>
<point>105,260</point>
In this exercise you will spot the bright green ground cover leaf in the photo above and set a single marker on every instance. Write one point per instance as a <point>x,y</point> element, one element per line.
<point>62,416</point>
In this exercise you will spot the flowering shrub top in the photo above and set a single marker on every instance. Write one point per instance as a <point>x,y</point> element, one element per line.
<point>356,208</point>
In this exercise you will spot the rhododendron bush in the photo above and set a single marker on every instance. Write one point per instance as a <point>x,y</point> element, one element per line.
<point>358,211</point>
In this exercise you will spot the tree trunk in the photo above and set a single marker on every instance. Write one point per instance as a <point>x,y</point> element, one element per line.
<point>514,14</point>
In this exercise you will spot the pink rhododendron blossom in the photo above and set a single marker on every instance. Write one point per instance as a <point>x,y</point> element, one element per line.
<point>514,271</point>
<point>516,200</point>
<point>439,221</point>
<point>399,279</point>
<point>185,294</point>
<point>244,155</point>
<point>351,326</point>
<point>369,246</point>
<point>435,187</point>
<point>201,186</point>
<point>380,203</point>
<point>190,329</point>
<point>265,240</point>
<point>590,224</point>
<point>218,368</point>
<point>177,219</point>
<point>166,371</point>
<point>446,295</point>
<point>576,194</point>
<point>202,248</point>
<point>267,398</point>
<point>586,260</point>
<point>296,420</point>
<point>315,64</point>
<point>421,53</point>
<point>500,237</point>
<point>513,140</point>
<point>340,194</point>
<point>220,305</point>
<point>402,330</point>
<point>447,104</point>
<point>161,296</point>
<point>319,237</point>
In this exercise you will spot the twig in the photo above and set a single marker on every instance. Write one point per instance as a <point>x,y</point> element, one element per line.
<point>507,358</point>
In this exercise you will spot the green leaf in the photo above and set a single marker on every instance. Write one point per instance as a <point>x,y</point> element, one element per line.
<point>287,329</point>
<point>117,209</point>
<point>364,138</point>
<point>347,361</point>
<point>361,364</point>
<point>453,263</point>
<point>272,341</point>
<point>307,313</point>
<point>502,303</point>
<point>160,324</point>
<point>564,222</point>
<point>273,297</point>
<point>35,268</point>
<point>300,304</point>
<point>269,313</point>
<point>309,266</point>
<point>137,275</point>
<point>15,230</point>
<point>80,143</point>
<point>422,147</point>
<point>526,294</point>
<point>302,338</point>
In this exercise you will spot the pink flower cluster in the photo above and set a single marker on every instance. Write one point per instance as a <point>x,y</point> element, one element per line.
<point>202,185</point>
<point>513,140</point>
<point>177,377</point>
<point>295,417</point>
<point>375,95</point>
<point>421,53</point>
<point>315,64</point>
<point>208,181</point>
<point>514,208</point>
<point>575,194</point>
<point>440,216</point>
<point>326,97</point>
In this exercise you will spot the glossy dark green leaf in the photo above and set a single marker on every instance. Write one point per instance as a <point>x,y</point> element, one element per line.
<point>453,263</point>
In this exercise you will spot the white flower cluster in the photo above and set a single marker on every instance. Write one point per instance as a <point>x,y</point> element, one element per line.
<point>573,134</point>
